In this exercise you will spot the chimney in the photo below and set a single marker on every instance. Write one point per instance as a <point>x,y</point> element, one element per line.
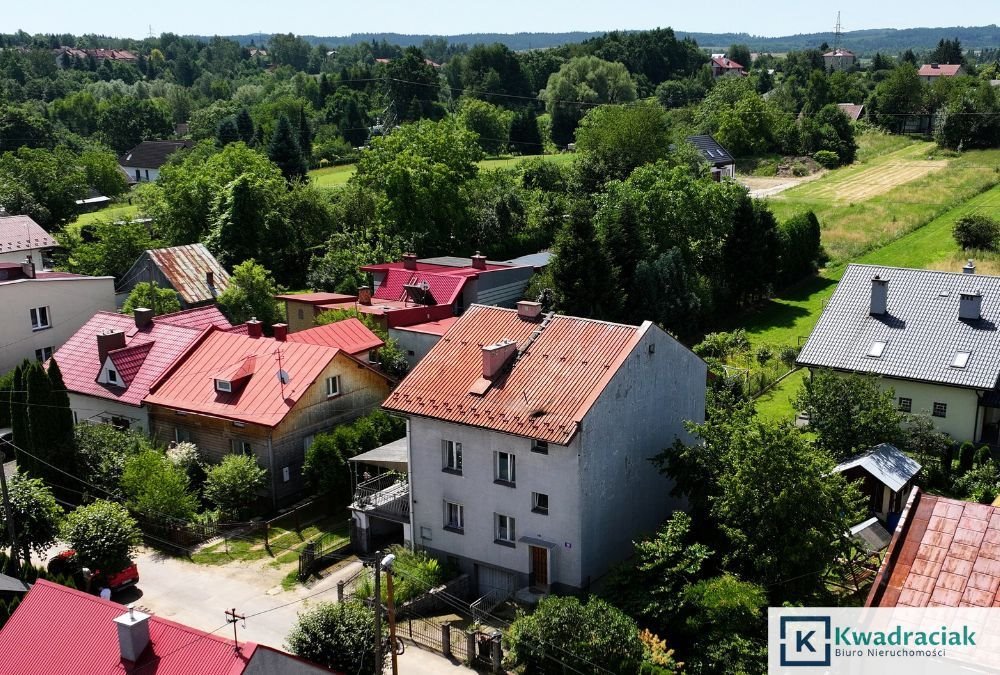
<point>111,339</point>
<point>970,267</point>
<point>133,633</point>
<point>143,317</point>
<point>496,356</point>
<point>410,261</point>
<point>364,295</point>
<point>970,306</point>
<point>934,65</point>
<point>28,268</point>
<point>280,331</point>
<point>479,261</point>
<point>210,278</point>
<point>529,310</point>
<point>255,328</point>
<point>880,294</point>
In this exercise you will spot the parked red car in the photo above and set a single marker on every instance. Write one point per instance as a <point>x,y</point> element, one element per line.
<point>67,563</point>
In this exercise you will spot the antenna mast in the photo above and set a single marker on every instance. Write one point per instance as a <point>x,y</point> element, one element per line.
<point>836,34</point>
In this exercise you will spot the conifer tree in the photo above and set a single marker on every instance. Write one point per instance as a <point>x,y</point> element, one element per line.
<point>305,135</point>
<point>18,409</point>
<point>284,151</point>
<point>227,132</point>
<point>583,276</point>
<point>245,127</point>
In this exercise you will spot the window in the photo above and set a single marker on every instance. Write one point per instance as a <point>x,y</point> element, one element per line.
<point>121,423</point>
<point>452,452</point>
<point>504,529</point>
<point>43,354</point>
<point>940,409</point>
<point>182,435</point>
<point>540,503</point>
<point>332,386</point>
<point>242,447</point>
<point>875,351</point>
<point>905,404</point>
<point>40,318</point>
<point>302,314</point>
<point>504,469</point>
<point>112,375</point>
<point>541,447</point>
<point>138,176</point>
<point>372,356</point>
<point>454,517</point>
<point>224,386</point>
<point>961,359</point>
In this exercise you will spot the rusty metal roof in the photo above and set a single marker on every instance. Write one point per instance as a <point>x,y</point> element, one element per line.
<point>544,395</point>
<point>186,267</point>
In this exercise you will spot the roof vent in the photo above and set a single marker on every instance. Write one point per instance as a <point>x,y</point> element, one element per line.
<point>133,633</point>
<point>496,356</point>
<point>970,306</point>
<point>969,268</point>
<point>880,296</point>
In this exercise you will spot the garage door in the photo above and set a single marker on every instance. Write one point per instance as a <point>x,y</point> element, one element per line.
<point>489,579</point>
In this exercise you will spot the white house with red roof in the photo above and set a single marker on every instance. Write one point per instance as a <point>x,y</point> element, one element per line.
<point>726,67</point>
<point>42,310</point>
<point>932,71</point>
<point>110,363</point>
<point>21,237</point>
<point>57,629</point>
<point>530,437</point>
<point>262,396</point>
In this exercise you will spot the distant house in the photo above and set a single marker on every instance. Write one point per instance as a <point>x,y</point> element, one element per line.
<point>101,637</point>
<point>260,396</point>
<point>110,363</point>
<point>191,270</point>
<point>932,71</point>
<point>42,310</point>
<point>724,67</point>
<point>886,474</point>
<point>852,110</point>
<point>21,237</point>
<point>839,59</point>
<point>929,336</point>
<point>142,163</point>
<point>722,163</point>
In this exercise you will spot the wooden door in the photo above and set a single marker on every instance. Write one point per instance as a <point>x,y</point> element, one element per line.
<point>539,565</point>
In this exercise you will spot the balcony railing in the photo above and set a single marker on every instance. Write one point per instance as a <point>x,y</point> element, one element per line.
<point>387,494</point>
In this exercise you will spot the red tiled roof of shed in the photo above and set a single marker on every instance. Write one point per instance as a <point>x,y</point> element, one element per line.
<point>939,70</point>
<point>350,335</point>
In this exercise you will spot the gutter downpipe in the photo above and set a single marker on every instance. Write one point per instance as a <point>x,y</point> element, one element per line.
<point>270,462</point>
<point>409,478</point>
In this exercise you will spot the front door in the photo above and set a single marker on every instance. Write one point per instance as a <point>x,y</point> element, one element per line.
<point>539,566</point>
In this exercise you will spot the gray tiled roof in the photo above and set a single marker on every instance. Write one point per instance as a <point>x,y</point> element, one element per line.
<point>711,150</point>
<point>921,328</point>
<point>887,463</point>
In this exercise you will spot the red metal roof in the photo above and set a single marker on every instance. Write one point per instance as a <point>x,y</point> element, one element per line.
<point>444,287</point>
<point>727,64</point>
<point>21,233</point>
<point>350,335</point>
<point>545,394</point>
<point>60,630</point>
<point>190,384</point>
<point>186,266</point>
<point>939,69</point>
<point>169,335</point>
<point>945,553</point>
<point>128,360</point>
<point>439,327</point>
<point>316,298</point>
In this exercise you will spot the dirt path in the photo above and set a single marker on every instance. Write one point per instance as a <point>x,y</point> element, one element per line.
<point>761,186</point>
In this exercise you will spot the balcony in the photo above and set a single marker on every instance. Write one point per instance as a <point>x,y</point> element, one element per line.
<point>385,496</point>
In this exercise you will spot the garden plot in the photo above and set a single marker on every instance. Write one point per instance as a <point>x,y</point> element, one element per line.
<point>874,180</point>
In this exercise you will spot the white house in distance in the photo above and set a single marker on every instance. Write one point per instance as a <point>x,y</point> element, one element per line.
<point>930,336</point>
<point>839,59</point>
<point>20,237</point>
<point>529,438</point>
<point>142,163</point>
<point>932,71</point>
<point>43,309</point>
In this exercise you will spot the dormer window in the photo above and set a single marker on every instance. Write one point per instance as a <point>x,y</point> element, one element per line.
<point>224,386</point>
<point>876,349</point>
<point>112,376</point>
<point>961,359</point>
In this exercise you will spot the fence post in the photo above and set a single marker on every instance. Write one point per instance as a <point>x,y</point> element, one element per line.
<point>446,639</point>
<point>470,645</point>
<point>340,591</point>
<point>267,535</point>
<point>495,653</point>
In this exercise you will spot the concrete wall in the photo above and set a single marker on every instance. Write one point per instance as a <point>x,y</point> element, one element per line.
<point>414,345</point>
<point>71,302</point>
<point>640,414</point>
<point>141,175</point>
<point>19,256</point>
<point>94,409</point>
<point>299,315</point>
<point>554,474</point>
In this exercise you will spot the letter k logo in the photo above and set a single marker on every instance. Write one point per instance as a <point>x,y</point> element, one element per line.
<point>804,641</point>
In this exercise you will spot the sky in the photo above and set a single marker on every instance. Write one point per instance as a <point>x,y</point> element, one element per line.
<point>451,17</point>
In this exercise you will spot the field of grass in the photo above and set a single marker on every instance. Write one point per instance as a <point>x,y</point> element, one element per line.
<point>285,545</point>
<point>869,204</point>
<point>111,214</point>
<point>776,403</point>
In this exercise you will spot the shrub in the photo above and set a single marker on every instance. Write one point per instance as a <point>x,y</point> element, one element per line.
<point>801,249</point>
<point>764,354</point>
<point>788,356</point>
<point>415,574</point>
<point>977,231</point>
<point>966,454</point>
<point>828,159</point>
<point>158,488</point>
<point>799,169</point>
<point>983,456</point>
<point>232,485</point>
<point>338,636</point>
<point>979,484</point>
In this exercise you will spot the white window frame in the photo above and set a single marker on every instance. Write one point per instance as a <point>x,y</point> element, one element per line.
<point>451,452</point>
<point>504,528</point>
<point>507,460</point>
<point>41,318</point>
<point>224,386</point>
<point>536,506</point>
<point>333,386</point>
<point>45,353</point>
<point>458,524</point>
<point>241,446</point>
<point>112,376</point>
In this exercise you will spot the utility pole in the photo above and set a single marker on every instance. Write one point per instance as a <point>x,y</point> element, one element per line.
<point>387,565</point>
<point>11,525</point>
<point>232,617</point>
<point>378,612</point>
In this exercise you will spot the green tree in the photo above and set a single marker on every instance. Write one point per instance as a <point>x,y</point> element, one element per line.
<point>750,252</point>
<point>227,132</point>
<point>412,86</point>
<point>896,97</point>
<point>232,485</point>
<point>739,53</point>
<point>674,296</point>
<point>582,635</point>
<point>43,183</point>
<point>245,126</point>
<point>125,121</point>
<point>103,172</point>
<point>728,626</point>
<point>490,123</point>
<point>800,246</point>
<point>583,276</point>
<point>977,231</point>
<point>147,294</point>
<point>241,215</point>
<point>156,488</point>
<point>613,140</point>
<point>337,636</point>
<point>583,80</point>
<point>105,248</point>
<point>101,452</point>
<point>36,514</point>
<point>250,294</point>
<point>284,150</point>
<point>103,534</point>
<point>849,413</point>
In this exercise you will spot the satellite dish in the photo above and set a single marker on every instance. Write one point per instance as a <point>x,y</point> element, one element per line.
<point>284,377</point>
<point>424,286</point>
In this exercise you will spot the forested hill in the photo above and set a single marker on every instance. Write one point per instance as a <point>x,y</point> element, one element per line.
<point>864,42</point>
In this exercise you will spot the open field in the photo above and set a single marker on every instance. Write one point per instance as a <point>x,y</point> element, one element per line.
<point>875,180</point>
<point>110,214</point>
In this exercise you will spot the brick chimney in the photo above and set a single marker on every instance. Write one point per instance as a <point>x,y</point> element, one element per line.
<point>529,310</point>
<point>364,295</point>
<point>410,261</point>
<point>970,306</point>
<point>479,261</point>
<point>496,356</point>
<point>970,267</point>
<point>143,317</point>
<point>111,339</point>
<point>255,328</point>
<point>880,296</point>
<point>133,633</point>
<point>28,268</point>
<point>280,331</point>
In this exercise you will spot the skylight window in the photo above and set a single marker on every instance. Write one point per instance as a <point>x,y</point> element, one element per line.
<point>223,386</point>
<point>875,351</point>
<point>961,359</point>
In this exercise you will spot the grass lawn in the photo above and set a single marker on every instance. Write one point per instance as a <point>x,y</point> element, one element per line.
<point>285,544</point>
<point>776,403</point>
<point>110,214</point>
